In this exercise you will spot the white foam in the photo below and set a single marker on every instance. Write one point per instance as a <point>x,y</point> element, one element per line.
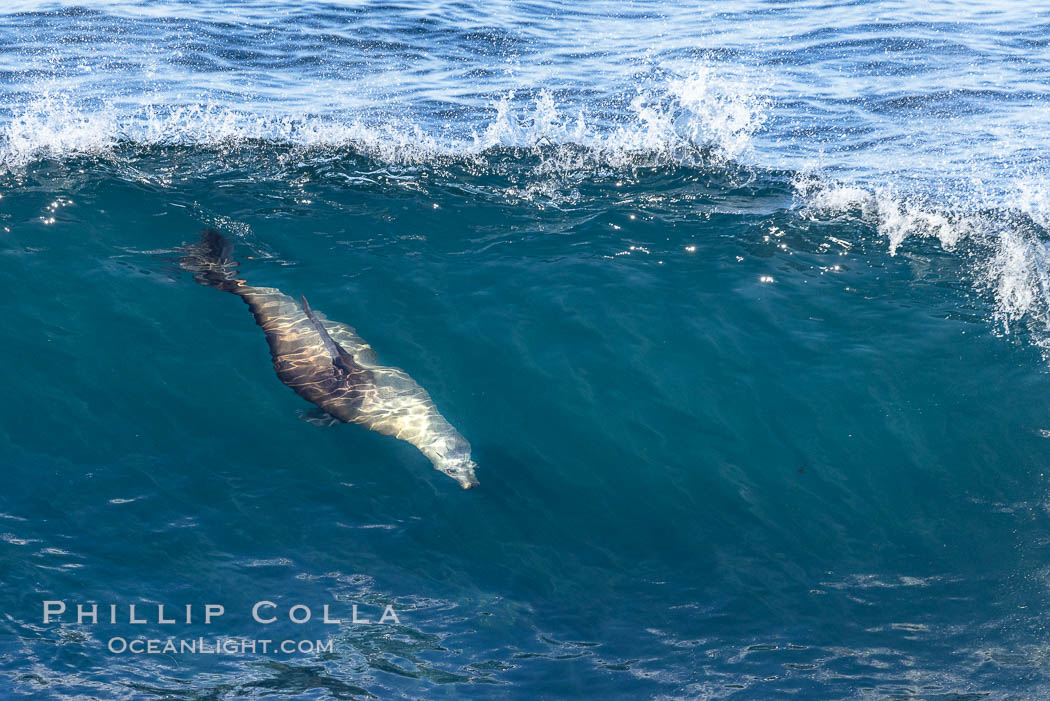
<point>1030,194</point>
<point>52,127</point>
<point>895,216</point>
<point>1009,258</point>
<point>666,126</point>
<point>670,122</point>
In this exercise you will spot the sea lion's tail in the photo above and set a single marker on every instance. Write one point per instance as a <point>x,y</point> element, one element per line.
<point>211,261</point>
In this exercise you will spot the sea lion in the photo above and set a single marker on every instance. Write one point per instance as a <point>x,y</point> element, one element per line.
<point>328,364</point>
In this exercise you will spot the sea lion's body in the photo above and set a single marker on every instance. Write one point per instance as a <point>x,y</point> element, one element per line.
<point>328,364</point>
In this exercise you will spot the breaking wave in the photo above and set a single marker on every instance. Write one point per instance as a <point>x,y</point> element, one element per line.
<point>1007,247</point>
<point>685,120</point>
<point>708,118</point>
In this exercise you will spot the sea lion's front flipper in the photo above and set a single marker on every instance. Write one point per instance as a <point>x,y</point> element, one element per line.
<point>318,417</point>
<point>347,337</point>
<point>340,357</point>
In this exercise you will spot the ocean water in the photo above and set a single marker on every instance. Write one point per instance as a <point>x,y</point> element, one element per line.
<point>744,308</point>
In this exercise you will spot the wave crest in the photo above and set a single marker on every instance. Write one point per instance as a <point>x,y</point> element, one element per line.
<point>701,113</point>
<point>1009,247</point>
<point>682,120</point>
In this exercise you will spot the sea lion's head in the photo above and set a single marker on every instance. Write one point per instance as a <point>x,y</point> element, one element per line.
<point>452,456</point>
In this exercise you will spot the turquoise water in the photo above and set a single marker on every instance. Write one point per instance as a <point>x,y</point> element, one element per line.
<point>743,310</point>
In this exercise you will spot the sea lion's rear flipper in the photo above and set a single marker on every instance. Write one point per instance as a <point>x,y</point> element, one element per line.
<point>211,261</point>
<point>340,358</point>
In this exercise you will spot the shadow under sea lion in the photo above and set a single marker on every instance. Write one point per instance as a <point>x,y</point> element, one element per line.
<point>328,364</point>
